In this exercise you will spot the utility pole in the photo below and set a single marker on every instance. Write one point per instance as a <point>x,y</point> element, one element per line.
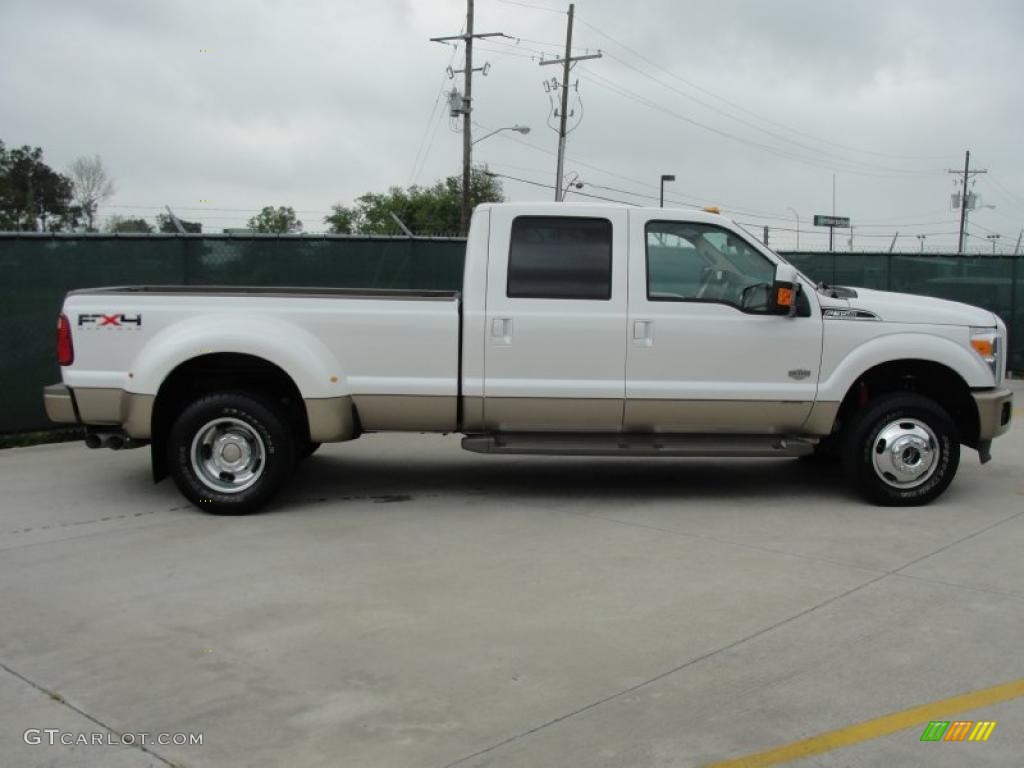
<point>797,226</point>
<point>893,243</point>
<point>467,108</point>
<point>1016,251</point>
<point>566,63</point>
<point>766,234</point>
<point>967,173</point>
<point>831,230</point>
<point>175,221</point>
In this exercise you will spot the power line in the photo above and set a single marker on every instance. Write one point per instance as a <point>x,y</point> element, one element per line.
<point>967,174</point>
<point>529,5</point>
<point>416,165</point>
<point>567,61</point>
<point>838,164</point>
<point>744,109</point>
<point>552,186</point>
<point>467,107</point>
<point>762,129</point>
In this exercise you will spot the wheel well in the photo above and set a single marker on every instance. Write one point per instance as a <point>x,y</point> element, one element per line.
<point>932,380</point>
<point>214,373</point>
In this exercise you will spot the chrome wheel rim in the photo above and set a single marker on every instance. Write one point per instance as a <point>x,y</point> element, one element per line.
<point>905,453</point>
<point>228,455</point>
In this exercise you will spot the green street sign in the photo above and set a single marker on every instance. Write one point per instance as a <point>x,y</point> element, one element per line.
<point>831,221</point>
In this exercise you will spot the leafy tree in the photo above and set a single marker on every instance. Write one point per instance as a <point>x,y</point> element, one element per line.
<point>33,196</point>
<point>342,221</point>
<point>430,210</point>
<point>280,220</point>
<point>92,187</point>
<point>164,223</point>
<point>121,224</point>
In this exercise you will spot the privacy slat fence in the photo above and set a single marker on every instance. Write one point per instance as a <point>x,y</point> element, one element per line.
<point>37,270</point>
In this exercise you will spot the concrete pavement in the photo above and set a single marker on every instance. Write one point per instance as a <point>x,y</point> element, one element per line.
<point>409,604</point>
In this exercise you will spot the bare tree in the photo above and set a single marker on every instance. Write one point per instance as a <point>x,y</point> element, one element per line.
<point>92,186</point>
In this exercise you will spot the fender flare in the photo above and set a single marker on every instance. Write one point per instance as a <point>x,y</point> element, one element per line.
<point>308,362</point>
<point>903,346</point>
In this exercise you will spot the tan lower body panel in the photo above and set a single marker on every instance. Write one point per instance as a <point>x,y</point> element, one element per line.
<point>546,414</point>
<point>995,410</point>
<point>699,416</point>
<point>822,418</point>
<point>330,419</point>
<point>539,414</point>
<point>58,404</point>
<point>137,415</point>
<point>99,405</point>
<point>112,406</point>
<point>406,413</point>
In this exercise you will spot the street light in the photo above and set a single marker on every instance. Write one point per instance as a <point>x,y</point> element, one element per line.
<point>921,238</point>
<point>523,129</point>
<point>571,180</point>
<point>664,177</point>
<point>797,226</point>
<point>994,239</point>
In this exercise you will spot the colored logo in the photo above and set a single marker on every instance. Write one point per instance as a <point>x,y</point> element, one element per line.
<point>116,320</point>
<point>958,730</point>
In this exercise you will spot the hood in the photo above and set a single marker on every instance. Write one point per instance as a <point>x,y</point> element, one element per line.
<point>909,308</point>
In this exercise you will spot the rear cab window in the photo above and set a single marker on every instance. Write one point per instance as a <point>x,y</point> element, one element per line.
<point>560,257</point>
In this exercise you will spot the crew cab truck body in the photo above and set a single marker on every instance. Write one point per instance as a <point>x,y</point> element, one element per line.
<point>580,329</point>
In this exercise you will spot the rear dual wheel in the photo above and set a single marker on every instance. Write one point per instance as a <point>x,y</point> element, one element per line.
<point>230,452</point>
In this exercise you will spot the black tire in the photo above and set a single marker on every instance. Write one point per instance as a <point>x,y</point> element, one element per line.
<point>929,435</point>
<point>825,453</point>
<point>307,450</point>
<point>250,421</point>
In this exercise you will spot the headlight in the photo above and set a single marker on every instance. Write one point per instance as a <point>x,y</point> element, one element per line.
<point>989,345</point>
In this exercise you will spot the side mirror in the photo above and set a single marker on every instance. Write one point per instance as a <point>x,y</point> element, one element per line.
<point>784,291</point>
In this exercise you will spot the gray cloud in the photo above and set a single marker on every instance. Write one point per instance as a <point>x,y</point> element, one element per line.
<point>312,103</point>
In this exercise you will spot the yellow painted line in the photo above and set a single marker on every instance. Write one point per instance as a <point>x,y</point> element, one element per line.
<point>880,726</point>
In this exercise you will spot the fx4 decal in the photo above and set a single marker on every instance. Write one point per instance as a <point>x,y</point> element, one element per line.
<point>99,320</point>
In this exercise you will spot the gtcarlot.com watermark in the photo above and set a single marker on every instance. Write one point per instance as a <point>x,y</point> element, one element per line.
<point>53,736</point>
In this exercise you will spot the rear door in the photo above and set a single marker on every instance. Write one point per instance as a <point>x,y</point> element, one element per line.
<point>556,320</point>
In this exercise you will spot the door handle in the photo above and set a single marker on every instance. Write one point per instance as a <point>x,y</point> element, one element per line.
<point>643,333</point>
<point>501,330</point>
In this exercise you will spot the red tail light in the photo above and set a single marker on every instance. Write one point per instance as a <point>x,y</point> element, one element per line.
<point>65,349</point>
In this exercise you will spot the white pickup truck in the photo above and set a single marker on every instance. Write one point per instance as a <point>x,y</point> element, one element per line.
<point>580,329</point>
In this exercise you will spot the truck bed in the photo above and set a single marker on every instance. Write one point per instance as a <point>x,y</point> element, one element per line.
<point>393,354</point>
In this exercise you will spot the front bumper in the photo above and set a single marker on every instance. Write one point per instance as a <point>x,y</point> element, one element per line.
<point>59,404</point>
<point>995,410</point>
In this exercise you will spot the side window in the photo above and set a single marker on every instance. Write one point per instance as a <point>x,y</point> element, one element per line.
<point>702,262</point>
<point>560,258</point>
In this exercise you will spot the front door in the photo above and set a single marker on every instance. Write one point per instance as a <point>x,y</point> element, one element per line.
<point>556,320</point>
<point>703,353</point>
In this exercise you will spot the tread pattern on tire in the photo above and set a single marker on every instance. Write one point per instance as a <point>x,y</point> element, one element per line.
<point>278,439</point>
<point>859,442</point>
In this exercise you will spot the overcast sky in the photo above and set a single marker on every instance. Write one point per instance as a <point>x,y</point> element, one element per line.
<point>752,104</point>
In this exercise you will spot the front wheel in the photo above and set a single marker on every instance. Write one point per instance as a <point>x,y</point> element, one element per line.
<point>230,452</point>
<point>901,450</point>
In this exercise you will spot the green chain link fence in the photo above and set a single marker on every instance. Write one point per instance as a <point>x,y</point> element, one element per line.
<point>37,270</point>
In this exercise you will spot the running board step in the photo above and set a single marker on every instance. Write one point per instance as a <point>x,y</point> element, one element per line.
<point>554,444</point>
